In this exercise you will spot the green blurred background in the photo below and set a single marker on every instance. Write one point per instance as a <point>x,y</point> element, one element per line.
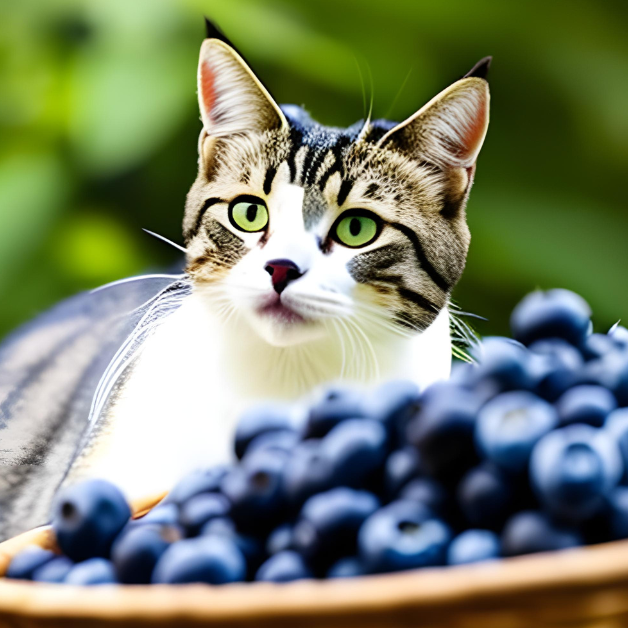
<point>98,130</point>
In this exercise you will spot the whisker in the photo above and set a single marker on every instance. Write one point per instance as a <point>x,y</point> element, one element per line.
<point>166,240</point>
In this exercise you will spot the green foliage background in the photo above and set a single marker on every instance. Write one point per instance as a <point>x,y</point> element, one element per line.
<point>98,130</point>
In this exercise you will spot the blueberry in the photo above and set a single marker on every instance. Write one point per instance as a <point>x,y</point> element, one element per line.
<point>485,496</point>
<point>308,470</point>
<point>280,539</point>
<point>55,570</point>
<point>262,419</point>
<point>443,430</point>
<point>473,546</point>
<point>551,314</point>
<point>195,483</point>
<point>255,491</point>
<point>92,571</point>
<point>597,345</point>
<point>136,552</point>
<point>616,514</point>
<point>616,425</point>
<point>164,514</point>
<point>328,523</point>
<point>395,403</point>
<point>509,426</point>
<point>585,404</point>
<point>531,531</point>
<point>87,518</point>
<point>349,567</point>
<point>250,546</point>
<point>562,362</point>
<point>337,405</point>
<point>504,362</point>
<point>27,561</point>
<point>284,567</point>
<point>429,493</point>
<point>402,535</point>
<point>619,335</point>
<point>198,510</point>
<point>281,441</point>
<point>208,559</point>
<point>620,379</point>
<point>574,469</point>
<point>357,449</point>
<point>401,466</point>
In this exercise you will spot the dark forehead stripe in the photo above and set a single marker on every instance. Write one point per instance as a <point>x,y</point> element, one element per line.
<point>296,141</point>
<point>199,219</point>
<point>426,265</point>
<point>268,179</point>
<point>345,188</point>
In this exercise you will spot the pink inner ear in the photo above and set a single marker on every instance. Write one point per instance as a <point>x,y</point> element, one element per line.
<point>208,93</point>
<point>474,131</point>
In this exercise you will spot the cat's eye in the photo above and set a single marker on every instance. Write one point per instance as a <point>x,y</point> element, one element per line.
<point>356,228</point>
<point>248,213</point>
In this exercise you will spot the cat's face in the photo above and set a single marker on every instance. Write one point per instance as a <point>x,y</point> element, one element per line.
<point>305,231</point>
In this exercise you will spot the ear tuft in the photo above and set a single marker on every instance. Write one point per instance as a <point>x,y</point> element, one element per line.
<point>450,129</point>
<point>480,69</point>
<point>232,100</point>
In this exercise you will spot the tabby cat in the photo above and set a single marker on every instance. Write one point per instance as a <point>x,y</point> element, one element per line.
<point>314,254</point>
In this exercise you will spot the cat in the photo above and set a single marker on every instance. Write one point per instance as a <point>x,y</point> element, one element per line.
<point>313,254</point>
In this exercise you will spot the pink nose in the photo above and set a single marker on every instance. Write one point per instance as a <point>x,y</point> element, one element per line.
<point>282,272</point>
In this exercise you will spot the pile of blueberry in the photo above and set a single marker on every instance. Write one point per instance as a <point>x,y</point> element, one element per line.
<point>525,450</point>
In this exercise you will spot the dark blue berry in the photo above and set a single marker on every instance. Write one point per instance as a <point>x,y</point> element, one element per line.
<point>443,430</point>
<point>337,405</point>
<point>93,571</point>
<point>473,546</point>
<point>428,492</point>
<point>531,531</point>
<point>55,570</point>
<point>485,496</point>
<point>559,366</point>
<point>395,403</point>
<point>402,535</point>
<point>162,514</point>
<point>597,345</point>
<point>328,523</point>
<point>509,426</point>
<point>616,514</point>
<point>619,335</point>
<point>401,466</point>
<point>137,550</point>
<point>284,567</point>
<point>309,470</point>
<point>208,559</point>
<point>574,469</point>
<point>255,490</point>
<point>504,362</point>
<point>281,442</point>
<point>551,314</point>
<point>87,518</point>
<point>195,483</point>
<point>585,404</point>
<point>349,567</point>
<point>357,448</point>
<point>262,419</point>
<point>198,510</point>
<point>27,561</point>
<point>616,425</point>
<point>280,539</point>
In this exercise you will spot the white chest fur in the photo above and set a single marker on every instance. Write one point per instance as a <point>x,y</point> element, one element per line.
<point>177,410</point>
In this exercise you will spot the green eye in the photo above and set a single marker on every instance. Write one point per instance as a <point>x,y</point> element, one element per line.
<point>248,214</point>
<point>356,230</point>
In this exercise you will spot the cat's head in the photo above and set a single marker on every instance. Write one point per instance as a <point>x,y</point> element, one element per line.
<point>300,228</point>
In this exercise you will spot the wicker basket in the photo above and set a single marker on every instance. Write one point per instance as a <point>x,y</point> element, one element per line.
<point>580,587</point>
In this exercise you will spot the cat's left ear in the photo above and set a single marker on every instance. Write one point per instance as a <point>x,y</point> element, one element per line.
<point>232,99</point>
<point>450,129</point>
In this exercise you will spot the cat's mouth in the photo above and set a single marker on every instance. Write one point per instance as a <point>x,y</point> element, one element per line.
<point>280,312</point>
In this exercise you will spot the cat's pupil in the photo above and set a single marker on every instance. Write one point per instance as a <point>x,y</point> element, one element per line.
<point>251,212</point>
<point>355,226</point>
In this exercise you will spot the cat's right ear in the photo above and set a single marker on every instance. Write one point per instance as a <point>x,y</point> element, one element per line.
<point>231,98</point>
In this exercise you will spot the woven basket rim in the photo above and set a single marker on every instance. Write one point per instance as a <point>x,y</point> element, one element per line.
<point>586,568</point>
